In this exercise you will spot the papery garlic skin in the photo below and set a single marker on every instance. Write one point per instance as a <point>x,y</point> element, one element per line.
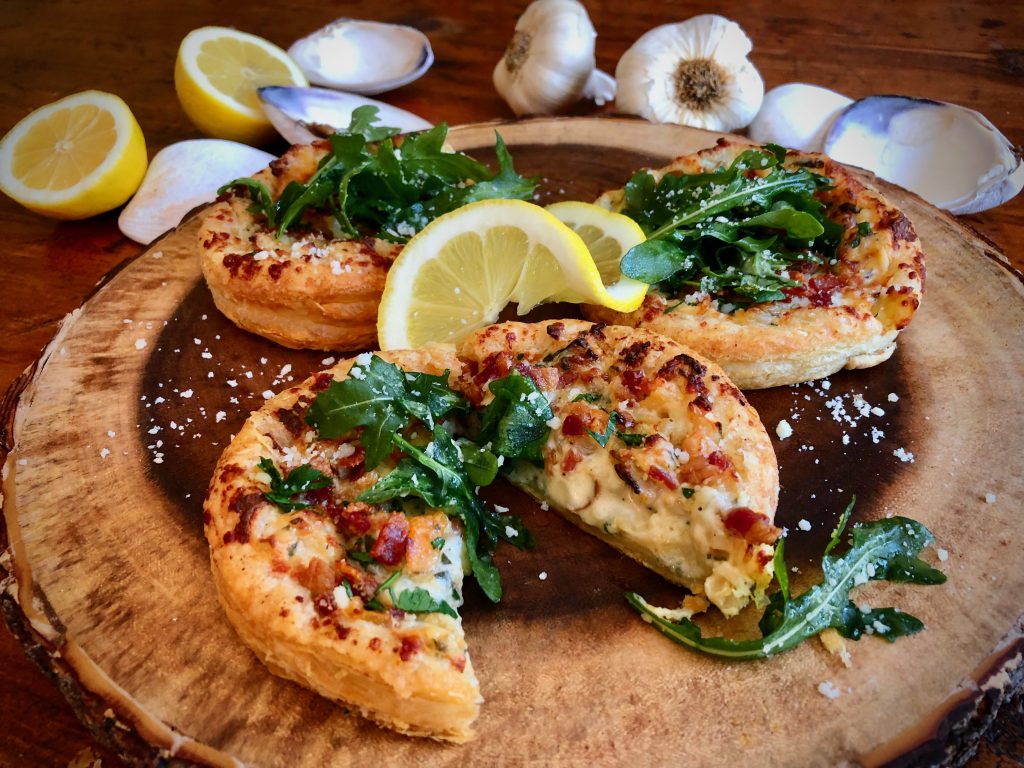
<point>695,73</point>
<point>549,59</point>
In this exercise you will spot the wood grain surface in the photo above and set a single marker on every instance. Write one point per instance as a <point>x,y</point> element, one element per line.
<point>969,53</point>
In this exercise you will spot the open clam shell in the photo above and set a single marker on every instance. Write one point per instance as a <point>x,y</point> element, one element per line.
<point>953,157</point>
<point>363,56</point>
<point>303,115</point>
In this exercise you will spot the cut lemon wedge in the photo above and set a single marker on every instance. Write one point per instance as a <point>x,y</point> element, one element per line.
<point>216,76</point>
<point>463,268</point>
<point>74,158</point>
<point>607,235</point>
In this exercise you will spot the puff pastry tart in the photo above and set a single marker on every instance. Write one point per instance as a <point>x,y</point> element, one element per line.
<point>303,289</point>
<point>354,600</point>
<point>841,309</point>
<point>652,449</point>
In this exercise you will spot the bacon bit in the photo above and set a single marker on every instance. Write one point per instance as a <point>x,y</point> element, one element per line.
<point>627,478</point>
<point>555,330</point>
<point>636,383</point>
<point>763,558</point>
<point>572,458</point>
<point>323,381</point>
<point>317,576</point>
<point>275,270</point>
<point>244,505</point>
<point>694,372</point>
<point>343,632</point>
<point>215,238</point>
<point>292,421</point>
<point>325,605</point>
<point>244,263</point>
<point>459,662</point>
<point>719,459</point>
<point>754,527</point>
<point>495,366</point>
<point>410,647</point>
<point>375,644</point>
<point>635,353</point>
<point>321,497</point>
<point>573,425</point>
<point>389,548</point>
<point>625,420</point>
<point>663,477</point>
<point>351,520</point>
<point>354,459</point>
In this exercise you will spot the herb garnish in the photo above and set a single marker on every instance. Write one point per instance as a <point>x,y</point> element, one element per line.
<point>419,600</point>
<point>382,399</point>
<point>299,480</point>
<point>371,186</point>
<point>882,549</point>
<point>515,422</point>
<point>729,233</point>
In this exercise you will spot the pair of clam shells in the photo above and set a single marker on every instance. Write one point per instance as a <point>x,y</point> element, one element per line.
<point>951,156</point>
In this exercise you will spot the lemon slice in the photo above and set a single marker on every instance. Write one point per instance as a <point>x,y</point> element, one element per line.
<point>463,268</point>
<point>607,235</point>
<point>74,158</point>
<point>216,76</point>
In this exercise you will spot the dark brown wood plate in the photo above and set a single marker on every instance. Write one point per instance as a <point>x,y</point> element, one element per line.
<point>110,440</point>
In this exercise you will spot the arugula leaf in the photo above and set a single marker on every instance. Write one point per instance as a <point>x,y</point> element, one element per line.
<point>729,233</point>
<point>882,549</point>
<point>299,480</point>
<point>419,600</point>
<point>603,438</point>
<point>481,465</point>
<point>515,421</point>
<point>371,186</point>
<point>434,475</point>
<point>381,398</point>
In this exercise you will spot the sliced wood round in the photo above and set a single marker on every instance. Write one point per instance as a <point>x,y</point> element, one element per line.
<point>110,442</point>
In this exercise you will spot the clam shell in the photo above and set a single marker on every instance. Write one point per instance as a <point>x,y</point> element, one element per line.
<point>363,56</point>
<point>303,115</point>
<point>953,157</point>
<point>182,176</point>
<point>797,115</point>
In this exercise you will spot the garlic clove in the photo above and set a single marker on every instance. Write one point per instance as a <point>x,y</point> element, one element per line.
<point>182,176</point>
<point>695,72</point>
<point>953,157</point>
<point>549,59</point>
<point>599,88</point>
<point>797,115</point>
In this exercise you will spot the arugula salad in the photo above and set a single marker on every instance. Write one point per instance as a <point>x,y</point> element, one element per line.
<point>732,234</point>
<point>409,416</point>
<point>373,184</point>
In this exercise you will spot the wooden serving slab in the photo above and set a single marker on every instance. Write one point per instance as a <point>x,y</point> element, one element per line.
<point>111,437</point>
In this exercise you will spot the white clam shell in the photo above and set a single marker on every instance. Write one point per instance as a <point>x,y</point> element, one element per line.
<point>953,157</point>
<point>302,115</point>
<point>797,115</point>
<point>182,176</point>
<point>363,56</point>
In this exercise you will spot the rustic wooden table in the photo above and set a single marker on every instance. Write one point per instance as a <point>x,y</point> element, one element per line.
<point>968,52</point>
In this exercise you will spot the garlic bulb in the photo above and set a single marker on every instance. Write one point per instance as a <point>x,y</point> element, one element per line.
<point>549,59</point>
<point>693,73</point>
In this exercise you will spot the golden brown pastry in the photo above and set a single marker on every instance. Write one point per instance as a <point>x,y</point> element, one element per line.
<point>356,601</point>
<point>652,449</point>
<point>843,314</point>
<point>304,289</point>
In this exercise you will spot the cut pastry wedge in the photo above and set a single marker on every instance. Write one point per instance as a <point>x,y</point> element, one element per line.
<point>460,271</point>
<point>74,158</point>
<point>216,76</point>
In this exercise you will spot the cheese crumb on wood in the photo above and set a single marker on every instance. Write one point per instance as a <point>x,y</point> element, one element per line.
<point>783,429</point>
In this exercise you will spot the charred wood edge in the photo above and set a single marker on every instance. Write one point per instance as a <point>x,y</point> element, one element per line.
<point>960,724</point>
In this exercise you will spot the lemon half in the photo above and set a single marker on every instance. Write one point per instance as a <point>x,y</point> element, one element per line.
<point>216,76</point>
<point>464,267</point>
<point>74,158</point>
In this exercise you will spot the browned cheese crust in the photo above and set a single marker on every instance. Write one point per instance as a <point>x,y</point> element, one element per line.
<point>298,598</point>
<point>843,315</point>
<point>306,289</point>
<point>690,491</point>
